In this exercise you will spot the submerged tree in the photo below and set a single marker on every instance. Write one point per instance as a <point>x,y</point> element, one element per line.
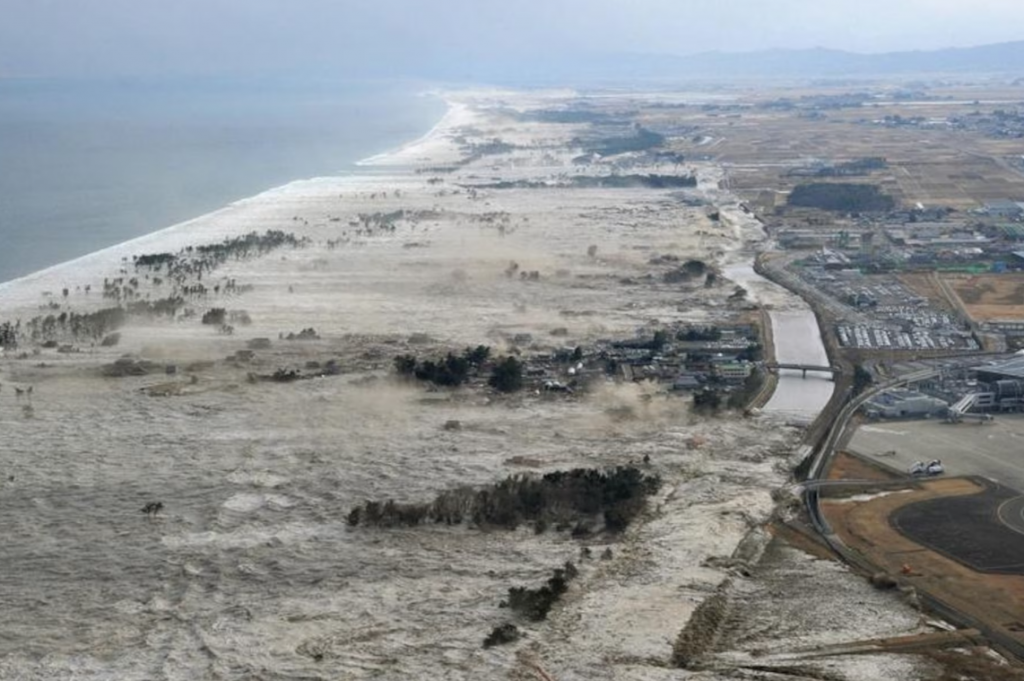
<point>571,498</point>
<point>8,335</point>
<point>507,376</point>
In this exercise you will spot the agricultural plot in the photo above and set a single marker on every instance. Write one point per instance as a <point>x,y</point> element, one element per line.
<point>933,164</point>
<point>990,297</point>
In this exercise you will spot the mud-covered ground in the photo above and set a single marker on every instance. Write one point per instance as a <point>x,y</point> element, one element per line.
<point>250,569</point>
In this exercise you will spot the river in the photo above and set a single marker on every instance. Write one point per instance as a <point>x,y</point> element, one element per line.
<point>797,340</point>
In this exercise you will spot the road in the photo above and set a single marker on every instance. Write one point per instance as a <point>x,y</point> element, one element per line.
<point>1011,514</point>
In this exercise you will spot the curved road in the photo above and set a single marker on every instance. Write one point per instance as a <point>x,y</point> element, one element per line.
<point>1011,514</point>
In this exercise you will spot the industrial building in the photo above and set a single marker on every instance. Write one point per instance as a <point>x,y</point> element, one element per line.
<point>1010,369</point>
<point>936,235</point>
<point>896,404</point>
<point>999,386</point>
<point>797,238</point>
<point>1005,208</point>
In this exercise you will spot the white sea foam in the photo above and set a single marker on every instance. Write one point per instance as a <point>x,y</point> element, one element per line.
<point>218,224</point>
<point>435,145</point>
<point>245,503</point>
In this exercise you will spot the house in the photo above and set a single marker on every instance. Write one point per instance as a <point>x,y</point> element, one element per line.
<point>686,382</point>
<point>733,372</point>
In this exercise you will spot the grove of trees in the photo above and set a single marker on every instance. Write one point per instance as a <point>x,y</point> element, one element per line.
<point>570,500</point>
<point>843,197</point>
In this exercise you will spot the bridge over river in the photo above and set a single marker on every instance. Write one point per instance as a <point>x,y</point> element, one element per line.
<point>818,368</point>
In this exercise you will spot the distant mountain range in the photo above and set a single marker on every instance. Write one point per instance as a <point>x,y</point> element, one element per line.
<point>553,64</point>
<point>999,58</point>
<point>1003,58</point>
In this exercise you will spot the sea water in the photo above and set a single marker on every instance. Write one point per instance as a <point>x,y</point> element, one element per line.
<point>85,165</point>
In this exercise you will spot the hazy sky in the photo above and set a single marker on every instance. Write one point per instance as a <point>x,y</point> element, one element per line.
<point>411,37</point>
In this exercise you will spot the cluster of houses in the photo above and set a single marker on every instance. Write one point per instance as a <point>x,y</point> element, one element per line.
<point>686,359</point>
<point>991,238</point>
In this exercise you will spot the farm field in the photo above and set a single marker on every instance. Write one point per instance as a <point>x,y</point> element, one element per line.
<point>990,297</point>
<point>936,164</point>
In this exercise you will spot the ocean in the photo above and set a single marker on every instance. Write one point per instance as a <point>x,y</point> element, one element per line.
<point>86,165</point>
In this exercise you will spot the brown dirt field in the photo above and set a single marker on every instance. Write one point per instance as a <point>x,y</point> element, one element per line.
<point>937,167</point>
<point>846,466</point>
<point>924,284</point>
<point>991,296</point>
<point>997,600</point>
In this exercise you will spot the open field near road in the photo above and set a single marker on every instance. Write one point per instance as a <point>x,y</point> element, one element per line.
<point>988,297</point>
<point>934,165</point>
<point>926,284</point>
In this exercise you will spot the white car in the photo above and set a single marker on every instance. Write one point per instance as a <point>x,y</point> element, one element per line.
<point>933,467</point>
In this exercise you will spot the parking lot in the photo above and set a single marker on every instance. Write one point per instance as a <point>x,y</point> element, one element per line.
<point>880,337</point>
<point>879,312</point>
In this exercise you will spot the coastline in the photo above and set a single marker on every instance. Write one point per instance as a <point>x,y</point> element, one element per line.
<point>435,146</point>
<point>82,223</point>
<point>455,116</point>
<point>254,566</point>
<point>167,238</point>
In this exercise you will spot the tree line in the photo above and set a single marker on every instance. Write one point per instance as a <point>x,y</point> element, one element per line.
<point>453,370</point>
<point>93,326</point>
<point>570,500</point>
<point>843,197</point>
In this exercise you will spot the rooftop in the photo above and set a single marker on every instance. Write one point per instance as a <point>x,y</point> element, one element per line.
<point>1004,205</point>
<point>1013,367</point>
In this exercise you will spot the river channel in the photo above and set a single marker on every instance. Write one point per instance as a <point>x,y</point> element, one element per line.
<point>797,340</point>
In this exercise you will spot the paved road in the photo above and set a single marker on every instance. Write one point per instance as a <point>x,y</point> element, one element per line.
<point>1011,513</point>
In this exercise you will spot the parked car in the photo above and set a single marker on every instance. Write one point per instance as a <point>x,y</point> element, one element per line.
<point>933,467</point>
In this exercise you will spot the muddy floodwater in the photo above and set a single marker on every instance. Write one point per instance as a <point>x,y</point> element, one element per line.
<point>259,439</point>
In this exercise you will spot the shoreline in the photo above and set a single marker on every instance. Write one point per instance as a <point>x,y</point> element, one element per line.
<point>257,466</point>
<point>389,168</point>
<point>449,120</point>
<point>172,230</point>
<point>361,169</point>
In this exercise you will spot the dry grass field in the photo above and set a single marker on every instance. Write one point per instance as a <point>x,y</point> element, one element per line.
<point>926,284</point>
<point>932,164</point>
<point>990,297</point>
